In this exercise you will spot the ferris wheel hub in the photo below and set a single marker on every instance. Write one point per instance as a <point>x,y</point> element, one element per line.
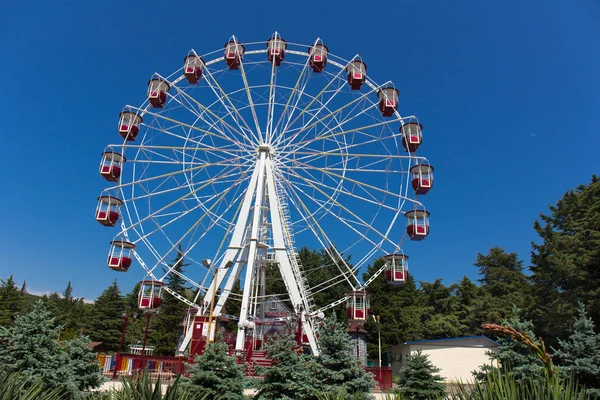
<point>265,148</point>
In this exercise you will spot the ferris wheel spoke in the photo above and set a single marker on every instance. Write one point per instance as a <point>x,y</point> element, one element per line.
<point>190,99</point>
<point>271,101</point>
<point>320,235</point>
<point>207,230</point>
<point>294,91</point>
<point>174,202</point>
<point>342,190</point>
<point>250,102</point>
<point>307,107</point>
<point>228,150</point>
<point>183,124</point>
<point>192,228</point>
<point>309,124</point>
<point>225,154</point>
<point>303,144</point>
<point>358,220</point>
<point>366,187</point>
<point>168,176</point>
<point>214,85</point>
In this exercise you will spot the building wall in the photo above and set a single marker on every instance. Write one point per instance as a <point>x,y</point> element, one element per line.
<point>455,360</point>
<point>455,363</point>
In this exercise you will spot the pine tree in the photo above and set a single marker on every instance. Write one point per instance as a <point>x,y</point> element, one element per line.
<point>107,323</point>
<point>216,373</point>
<point>166,326</point>
<point>514,356</point>
<point>83,364</point>
<point>580,354</point>
<point>503,283</point>
<point>12,301</point>
<point>32,348</point>
<point>339,369</point>
<point>441,311</point>
<point>419,380</point>
<point>566,264</point>
<point>292,375</point>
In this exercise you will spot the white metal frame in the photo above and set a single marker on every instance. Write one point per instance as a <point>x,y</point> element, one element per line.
<point>225,167</point>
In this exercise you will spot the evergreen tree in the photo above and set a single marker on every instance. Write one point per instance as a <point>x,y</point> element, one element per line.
<point>503,283</point>
<point>216,373</point>
<point>580,354</point>
<point>400,308</point>
<point>107,323</point>
<point>136,323</point>
<point>83,364</point>
<point>419,380</point>
<point>12,301</point>
<point>291,376</point>
<point>339,369</point>
<point>24,287</point>
<point>566,264</point>
<point>514,356</point>
<point>32,348</point>
<point>166,326</point>
<point>441,311</point>
<point>468,293</point>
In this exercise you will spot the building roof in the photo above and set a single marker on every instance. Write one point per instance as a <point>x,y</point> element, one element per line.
<point>446,341</point>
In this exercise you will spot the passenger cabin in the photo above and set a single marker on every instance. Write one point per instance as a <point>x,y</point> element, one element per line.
<point>150,296</point>
<point>234,53</point>
<point>388,101</point>
<point>192,68</point>
<point>417,224</point>
<point>276,50</point>
<point>110,166</point>
<point>422,178</point>
<point>119,257</point>
<point>358,305</point>
<point>318,57</point>
<point>357,71</point>
<point>107,210</point>
<point>157,92</point>
<point>411,136</point>
<point>129,125</point>
<point>396,268</point>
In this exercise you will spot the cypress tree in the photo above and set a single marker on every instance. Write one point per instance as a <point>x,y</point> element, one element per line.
<point>419,380</point>
<point>107,323</point>
<point>12,301</point>
<point>580,354</point>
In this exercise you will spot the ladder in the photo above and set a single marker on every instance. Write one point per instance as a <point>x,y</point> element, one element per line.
<point>288,238</point>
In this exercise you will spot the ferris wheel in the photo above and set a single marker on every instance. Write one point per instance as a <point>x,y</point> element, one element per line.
<point>245,151</point>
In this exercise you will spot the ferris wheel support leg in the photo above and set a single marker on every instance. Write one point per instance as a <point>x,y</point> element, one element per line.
<point>252,253</point>
<point>236,239</point>
<point>232,254</point>
<point>283,260</point>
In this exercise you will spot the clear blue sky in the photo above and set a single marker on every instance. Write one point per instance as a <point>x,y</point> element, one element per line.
<point>508,93</point>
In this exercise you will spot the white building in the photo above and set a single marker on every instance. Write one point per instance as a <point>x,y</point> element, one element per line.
<point>455,357</point>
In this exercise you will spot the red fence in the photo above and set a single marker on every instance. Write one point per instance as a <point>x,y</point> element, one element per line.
<point>383,377</point>
<point>167,368</point>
